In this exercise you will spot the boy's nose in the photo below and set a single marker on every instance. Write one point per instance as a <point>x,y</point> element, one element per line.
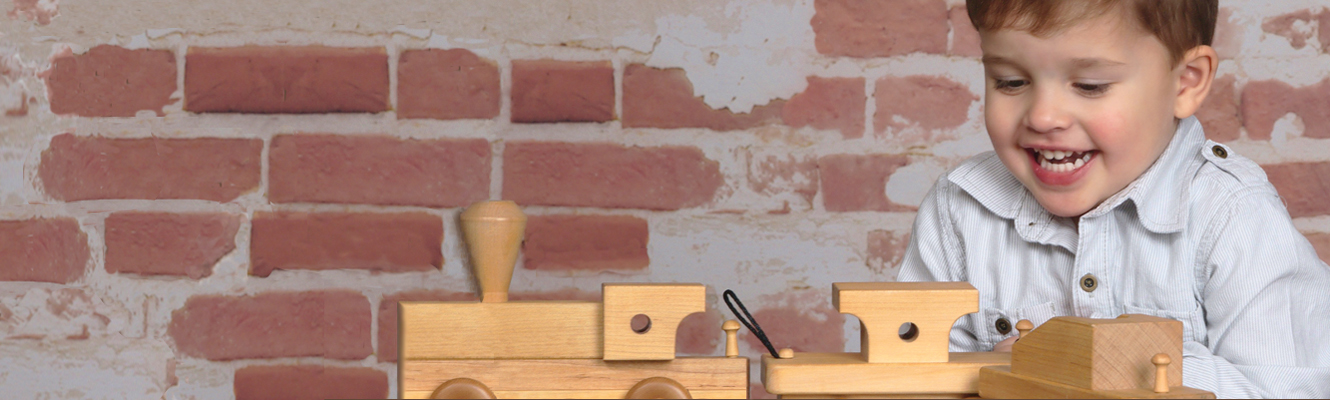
<point>1046,114</point>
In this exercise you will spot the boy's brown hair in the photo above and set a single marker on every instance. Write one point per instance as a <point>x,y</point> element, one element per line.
<point>1180,24</point>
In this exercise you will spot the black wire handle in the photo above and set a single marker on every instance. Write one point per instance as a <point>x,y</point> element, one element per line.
<point>748,321</point>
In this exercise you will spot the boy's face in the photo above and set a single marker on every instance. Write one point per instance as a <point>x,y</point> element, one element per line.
<point>1081,114</point>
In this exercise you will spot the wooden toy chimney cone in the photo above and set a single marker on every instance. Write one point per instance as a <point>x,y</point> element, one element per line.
<point>493,232</point>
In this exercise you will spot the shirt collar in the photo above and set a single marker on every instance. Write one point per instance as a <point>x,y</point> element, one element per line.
<point>1160,195</point>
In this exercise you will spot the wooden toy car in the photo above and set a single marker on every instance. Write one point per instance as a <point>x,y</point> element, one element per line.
<point>1070,357</point>
<point>906,328</point>
<point>622,346</point>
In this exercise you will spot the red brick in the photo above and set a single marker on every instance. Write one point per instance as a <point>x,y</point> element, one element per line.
<point>886,249</point>
<point>773,175</point>
<point>562,91</point>
<point>396,242</point>
<point>876,28</point>
<point>110,81</point>
<point>331,324</point>
<point>663,98</point>
<point>829,103</point>
<point>35,10</point>
<point>1282,25</point>
<point>859,182</point>
<point>930,102</point>
<point>309,382</point>
<point>286,79</point>
<point>586,242</point>
<point>388,316</point>
<point>319,168</point>
<point>700,333</point>
<point>608,175</point>
<point>158,243</point>
<point>803,321</point>
<point>1220,114</point>
<point>43,250</point>
<point>78,168</point>
<point>1304,187</point>
<point>1320,242</point>
<point>1264,102</point>
<point>964,38</point>
<point>447,84</point>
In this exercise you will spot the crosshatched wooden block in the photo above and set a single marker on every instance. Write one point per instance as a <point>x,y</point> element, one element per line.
<point>663,304</point>
<point>884,308</point>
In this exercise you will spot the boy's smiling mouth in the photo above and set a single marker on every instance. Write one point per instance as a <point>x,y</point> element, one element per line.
<point>1060,167</point>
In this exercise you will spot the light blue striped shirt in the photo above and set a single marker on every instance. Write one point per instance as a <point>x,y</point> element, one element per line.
<point>1199,237</point>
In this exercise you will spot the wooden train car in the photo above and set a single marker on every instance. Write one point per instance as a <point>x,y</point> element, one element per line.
<point>1131,356</point>
<point>620,347</point>
<point>903,346</point>
<point>904,353</point>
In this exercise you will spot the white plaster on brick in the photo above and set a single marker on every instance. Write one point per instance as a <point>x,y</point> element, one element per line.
<point>12,189</point>
<point>92,369</point>
<point>911,183</point>
<point>763,59</point>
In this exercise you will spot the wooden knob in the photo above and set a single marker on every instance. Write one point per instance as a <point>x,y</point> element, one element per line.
<point>659,388</point>
<point>731,328</point>
<point>1023,327</point>
<point>1161,362</point>
<point>462,388</point>
<point>786,353</point>
<point>493,231</point>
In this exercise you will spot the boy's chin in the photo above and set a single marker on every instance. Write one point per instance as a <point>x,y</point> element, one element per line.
<point>1067,205</point>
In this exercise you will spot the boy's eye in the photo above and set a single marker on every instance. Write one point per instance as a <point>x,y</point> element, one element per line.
<point>1091,89</point>
<point>1009,84</point>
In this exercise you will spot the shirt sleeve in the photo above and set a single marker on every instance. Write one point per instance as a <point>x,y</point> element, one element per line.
<point>1266,299</point>
<point>935,254</point>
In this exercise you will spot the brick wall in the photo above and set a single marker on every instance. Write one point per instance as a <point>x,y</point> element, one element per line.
<point>228,201</point>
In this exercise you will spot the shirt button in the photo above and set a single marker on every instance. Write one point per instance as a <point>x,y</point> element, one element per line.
<point>1003,326</point>
<point>1219,151</point>
<point>1089,282</point>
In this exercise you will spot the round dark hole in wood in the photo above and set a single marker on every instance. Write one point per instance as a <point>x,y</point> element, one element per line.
<point>641,323</point>
<point>909,331</point>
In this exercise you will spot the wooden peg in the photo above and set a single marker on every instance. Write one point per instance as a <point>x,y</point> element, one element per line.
<point>786,353</point>
<point>1023,327</point>
<point>1161,362</point>
<point>731,328</point>
<point>493,231</point>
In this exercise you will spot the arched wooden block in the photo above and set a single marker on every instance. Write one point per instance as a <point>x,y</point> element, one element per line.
<point>665,303</point>
<point>882,307</point>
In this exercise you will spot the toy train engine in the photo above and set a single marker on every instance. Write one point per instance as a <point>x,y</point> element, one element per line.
<point>620,347</point>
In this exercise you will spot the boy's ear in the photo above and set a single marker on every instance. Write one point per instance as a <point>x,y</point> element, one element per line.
<point>1195,74</point>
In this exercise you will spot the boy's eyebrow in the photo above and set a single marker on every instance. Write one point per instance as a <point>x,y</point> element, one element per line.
<point>1077,63</point>
<point>1086,63</point>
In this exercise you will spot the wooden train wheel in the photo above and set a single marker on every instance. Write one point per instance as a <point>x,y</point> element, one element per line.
<point>462,388</point>
<point>659,388</point>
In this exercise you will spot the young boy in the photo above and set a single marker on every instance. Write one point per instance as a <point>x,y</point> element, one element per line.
<point>1102,197</point>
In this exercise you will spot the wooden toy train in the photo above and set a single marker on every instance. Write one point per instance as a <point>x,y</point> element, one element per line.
<point>904,353</point>
<point>623,346</point>
<point>620,347</point>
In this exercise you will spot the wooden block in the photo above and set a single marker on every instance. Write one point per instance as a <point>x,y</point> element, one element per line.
<point>848,373</point>
<point>704,377</point>
<point>666,304</point>
<point>1100,354</point>
<point>999,382</point>
<point>517,329</point>
<point>883,307</point>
